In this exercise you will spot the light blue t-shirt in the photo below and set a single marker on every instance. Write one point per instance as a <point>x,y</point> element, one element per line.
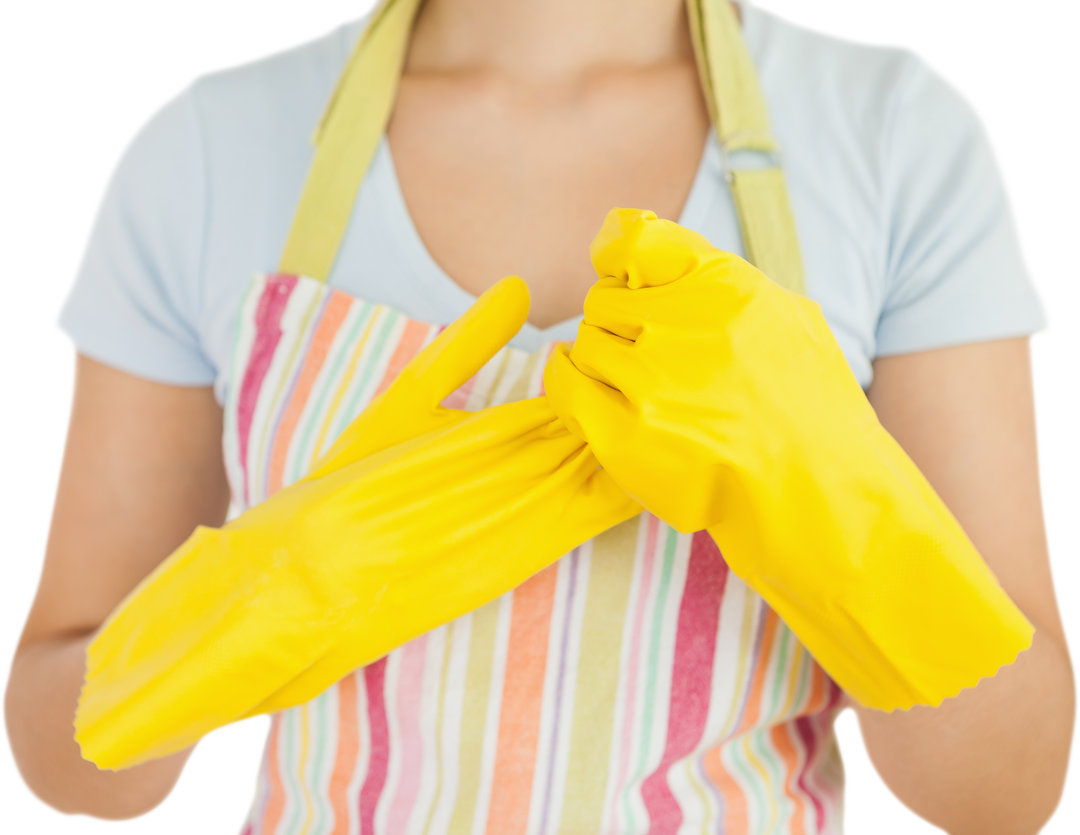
<point>905,229</point>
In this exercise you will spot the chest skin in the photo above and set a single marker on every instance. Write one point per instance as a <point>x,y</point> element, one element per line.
<point>504,177</point>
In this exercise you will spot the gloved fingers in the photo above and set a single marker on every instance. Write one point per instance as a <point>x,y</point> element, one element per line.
<point>593,411</point>
<point>611,305</point>
<point>607,358</point>
<point>638,248</point>
<point>410,406</point>
<point>466,345</point>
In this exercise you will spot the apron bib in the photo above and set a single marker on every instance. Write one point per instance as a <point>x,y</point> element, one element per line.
<point>636,685</point>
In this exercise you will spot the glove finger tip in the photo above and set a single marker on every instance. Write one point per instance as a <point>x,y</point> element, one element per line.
<point>467,344</point>
<point>642,250</point>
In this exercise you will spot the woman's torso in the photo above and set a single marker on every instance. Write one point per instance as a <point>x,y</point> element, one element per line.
<point>647,663</point>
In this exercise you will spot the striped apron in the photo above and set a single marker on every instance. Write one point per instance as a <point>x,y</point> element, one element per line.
<point>634,686</point>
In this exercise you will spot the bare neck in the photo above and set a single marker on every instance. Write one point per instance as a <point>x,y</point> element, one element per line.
<point>545,40</point>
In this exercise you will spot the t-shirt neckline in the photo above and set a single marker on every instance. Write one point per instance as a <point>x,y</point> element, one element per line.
<point>382,178</point>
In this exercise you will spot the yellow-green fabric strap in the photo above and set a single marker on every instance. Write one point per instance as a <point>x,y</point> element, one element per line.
<point>346,140</point>
<point>360,108</point>
<point>738,112</point>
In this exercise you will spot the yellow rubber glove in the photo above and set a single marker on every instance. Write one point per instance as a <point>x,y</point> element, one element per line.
<point>721,401</point>
<point>378,546</point>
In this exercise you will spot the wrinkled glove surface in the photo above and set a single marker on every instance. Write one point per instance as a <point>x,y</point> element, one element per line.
<point>416,516</point>
<point>721,401</point>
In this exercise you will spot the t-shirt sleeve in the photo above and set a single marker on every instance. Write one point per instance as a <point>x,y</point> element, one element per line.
<point>135,304</point>
<point>954,271</point>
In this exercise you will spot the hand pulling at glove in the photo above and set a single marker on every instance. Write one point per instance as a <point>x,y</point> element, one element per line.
<point>721,401</point>
<point>710,395</point>
<point>416,516</point>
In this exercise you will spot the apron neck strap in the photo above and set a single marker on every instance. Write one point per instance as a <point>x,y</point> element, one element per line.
<point>347,138</point>
<point>359,110</point>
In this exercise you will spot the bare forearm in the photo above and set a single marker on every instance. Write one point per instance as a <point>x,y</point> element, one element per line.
<point>991,760</point>
<point>42,694</point>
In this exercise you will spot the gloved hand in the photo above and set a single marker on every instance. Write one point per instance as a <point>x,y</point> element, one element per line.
<point>390,536</point>
<point>721,401</point>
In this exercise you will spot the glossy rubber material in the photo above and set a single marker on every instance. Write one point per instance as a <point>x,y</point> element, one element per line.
<point>721,401</point>
<point>416,516</point>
